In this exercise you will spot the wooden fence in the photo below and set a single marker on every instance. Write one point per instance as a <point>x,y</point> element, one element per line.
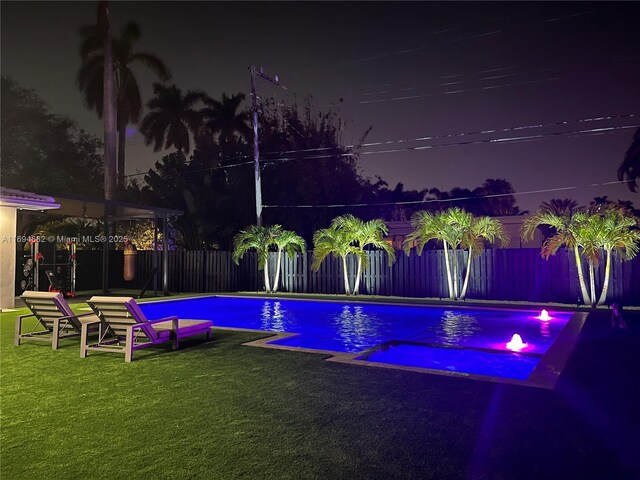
<point>499,274</point>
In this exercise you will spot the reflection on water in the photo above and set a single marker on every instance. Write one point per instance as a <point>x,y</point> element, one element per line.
<point>357,329</point>
<point>544,330</point>
<point>455,326</point>
<point>274,317</point>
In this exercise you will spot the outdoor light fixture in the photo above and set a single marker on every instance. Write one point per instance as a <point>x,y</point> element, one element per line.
<point>544,315</point>
<point>516,344</point>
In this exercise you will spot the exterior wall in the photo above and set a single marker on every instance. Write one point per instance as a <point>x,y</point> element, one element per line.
<point>7,256</point>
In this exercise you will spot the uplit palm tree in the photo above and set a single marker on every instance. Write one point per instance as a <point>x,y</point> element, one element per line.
<point>630,167</point>
<point>223,119</point>
<point>565,235</point>
<point>429,226</point>
<point>336,242</point>
<point>365,234</point>
<point>617,231</point>
<point>172,118</point>
<point>258,239</point>
<point>288,242</point>
<point>481,229</point>
<point>127,91</point>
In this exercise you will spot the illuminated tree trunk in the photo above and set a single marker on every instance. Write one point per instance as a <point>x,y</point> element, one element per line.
<point>583,285</point>
<point>466,276</point>
<point>446,261</point>
<point>276,281</point>
<point>592,285</point>
<point>346,277</point>
<point>267,285</point>
<point>454,252</point>
<point>605,286</point>
<point>356,286</point>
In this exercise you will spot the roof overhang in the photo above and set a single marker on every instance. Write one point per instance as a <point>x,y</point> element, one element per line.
<point>12,198</point>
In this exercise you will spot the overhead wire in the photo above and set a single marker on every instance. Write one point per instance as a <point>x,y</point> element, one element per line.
<point>448,200</point>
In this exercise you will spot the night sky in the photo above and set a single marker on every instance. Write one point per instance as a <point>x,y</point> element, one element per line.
<point>410,70</point>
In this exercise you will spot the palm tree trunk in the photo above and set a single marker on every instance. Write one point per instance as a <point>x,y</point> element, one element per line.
<point>267,286</point>
<point>346,277</point>
<point>455,272</point>
<point>466,276</point>
<point>277,279</point>
<point>605,286</point>
<point>356,286</point>
<point>122,138</point>
<point>592,284</point>
<point>446,261</point>
<point>108,105</point>
<point>583,285</point>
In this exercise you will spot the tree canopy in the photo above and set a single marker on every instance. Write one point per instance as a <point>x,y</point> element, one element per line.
<point>44,152</point>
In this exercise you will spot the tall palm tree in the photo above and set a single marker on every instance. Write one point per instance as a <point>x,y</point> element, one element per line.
<point>365,234</point>
<point>617,232</point>
<point>429,226</point>
<point>630,167</point>
<point>481,229</point>
<point>288,242</point>
<point>90,77</point>
<point>565,227</point>
<point>222,119</point>
<point>172,118</point>
<point>336,242</point>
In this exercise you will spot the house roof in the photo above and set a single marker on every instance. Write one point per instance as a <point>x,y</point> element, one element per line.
<point>11,197</point>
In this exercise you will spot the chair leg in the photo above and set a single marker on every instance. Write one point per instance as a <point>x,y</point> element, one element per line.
<point>175,342</point>
<point>128,347</point>
<point>18,328</point>
<point>209,334</point>
<point>83,340</point>
<point>55,335</point>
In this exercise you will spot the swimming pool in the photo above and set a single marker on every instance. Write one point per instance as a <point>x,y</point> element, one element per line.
<point>453,340</point>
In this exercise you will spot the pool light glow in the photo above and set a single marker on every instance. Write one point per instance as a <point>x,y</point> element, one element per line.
<point>516,344</point>
<point>544,315</point>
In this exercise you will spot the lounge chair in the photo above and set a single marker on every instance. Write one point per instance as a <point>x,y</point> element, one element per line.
<point>124,328</point>
<point>55,318</point>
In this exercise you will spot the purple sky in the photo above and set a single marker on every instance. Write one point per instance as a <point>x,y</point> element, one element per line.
<point>410,70</point>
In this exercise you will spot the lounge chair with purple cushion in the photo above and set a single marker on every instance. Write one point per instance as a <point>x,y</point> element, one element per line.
<point>55,319</point>
<point>124,328</point>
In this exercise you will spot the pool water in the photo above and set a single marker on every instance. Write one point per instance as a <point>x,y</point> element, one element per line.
<point>453,339</point>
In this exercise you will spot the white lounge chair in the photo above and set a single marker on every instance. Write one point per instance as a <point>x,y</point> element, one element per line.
<point>124,328</point>
<point>55,318</point>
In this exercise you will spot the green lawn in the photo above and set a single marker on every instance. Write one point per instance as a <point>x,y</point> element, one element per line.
<point>223,410</point>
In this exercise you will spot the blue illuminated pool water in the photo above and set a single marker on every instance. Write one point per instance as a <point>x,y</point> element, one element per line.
<point>452,339</point>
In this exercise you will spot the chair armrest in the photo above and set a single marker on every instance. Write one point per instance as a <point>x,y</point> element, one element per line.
<point>26,315</point>
<point>165,319</point>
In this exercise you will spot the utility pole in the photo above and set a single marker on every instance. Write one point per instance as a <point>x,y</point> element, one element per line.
<point>256,151</point>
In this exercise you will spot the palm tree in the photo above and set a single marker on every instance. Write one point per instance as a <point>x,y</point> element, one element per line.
<point>223,119</point>
<point>565,227</point>
<point>91,75</point>
<point>428,226</point>
<point>481,229</point>
<point>337,242</point>
<point>258,239</point>
<point>630,166</point>
<point>365,234</point>
<point>288,242</point>
<point>617,232</point>
<point>560,206</point>
<point>171,118</point>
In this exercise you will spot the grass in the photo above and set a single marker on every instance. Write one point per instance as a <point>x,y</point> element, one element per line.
<point>223,410</point>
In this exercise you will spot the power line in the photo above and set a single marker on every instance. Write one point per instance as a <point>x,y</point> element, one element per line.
<point>414,202</point>
<point>503,140</point>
